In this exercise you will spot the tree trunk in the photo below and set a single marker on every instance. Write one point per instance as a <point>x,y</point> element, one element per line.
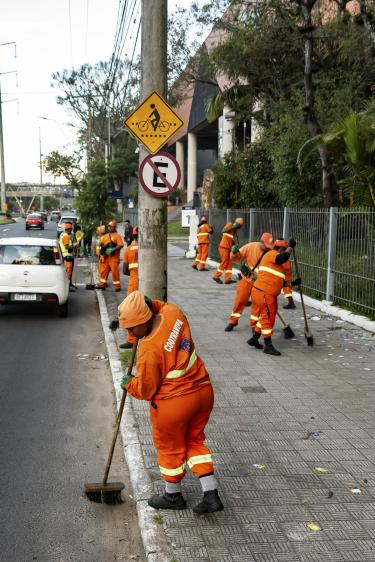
<point>328,178</point>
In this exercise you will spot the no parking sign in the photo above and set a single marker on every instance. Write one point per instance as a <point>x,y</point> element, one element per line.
<point>160,174</point>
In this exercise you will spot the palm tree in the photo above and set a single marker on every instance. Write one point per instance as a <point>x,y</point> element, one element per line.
<point>352,141</point>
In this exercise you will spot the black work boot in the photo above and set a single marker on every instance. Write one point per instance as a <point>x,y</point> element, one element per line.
<point>217,280</point>
<point>254,342</point>
<point>168,501</point>
<point>210,503</point>
<point>194,266</point>
<point>270,350</point>
<point>290,306</point>
<point>126,345</point>
<point>229,328</point>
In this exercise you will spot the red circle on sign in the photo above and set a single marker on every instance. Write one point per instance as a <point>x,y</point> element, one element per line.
<point>170,187</point>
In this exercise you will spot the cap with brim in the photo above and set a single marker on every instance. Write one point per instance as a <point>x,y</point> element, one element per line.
<point>133,311</point>
<point>281,244</point>
<point>267,240</point>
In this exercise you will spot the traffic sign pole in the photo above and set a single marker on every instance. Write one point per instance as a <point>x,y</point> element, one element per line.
<point>152,211</point>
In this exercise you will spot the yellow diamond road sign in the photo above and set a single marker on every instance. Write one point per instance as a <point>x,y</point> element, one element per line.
<point>153,122</point>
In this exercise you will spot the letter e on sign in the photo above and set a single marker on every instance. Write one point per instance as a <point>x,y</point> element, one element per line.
<point>160,174</point>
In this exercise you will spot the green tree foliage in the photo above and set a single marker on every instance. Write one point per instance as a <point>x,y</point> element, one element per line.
<point>92,202</point>
<point>64,165</point>
<point>124,163</point>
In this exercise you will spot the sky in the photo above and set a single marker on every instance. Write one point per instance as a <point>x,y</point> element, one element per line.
<point>50,35</point>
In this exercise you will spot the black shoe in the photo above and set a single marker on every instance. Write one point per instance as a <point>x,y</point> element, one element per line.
<point>71,289</point>
<point>254,343</point>
<point>203,269</point>
<point>117,290</point>
<point>100,288</point>
<point>194,267</point>
<point>270,350</point>
<point>229,328</point>
<point>126,345</point>
<point>168,501</point>
<point>229,282</point>
<point>210,503</point>
<point>217,280</point>
<point>290,306</point>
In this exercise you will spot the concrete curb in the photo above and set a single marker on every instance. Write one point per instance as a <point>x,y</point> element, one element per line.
<point>325,307</point>
<point>154,539</point>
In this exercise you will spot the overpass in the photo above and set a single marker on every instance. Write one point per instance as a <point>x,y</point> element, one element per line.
<point>20,190</point>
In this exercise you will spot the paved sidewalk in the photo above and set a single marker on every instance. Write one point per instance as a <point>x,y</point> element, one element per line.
<point>276,420</point>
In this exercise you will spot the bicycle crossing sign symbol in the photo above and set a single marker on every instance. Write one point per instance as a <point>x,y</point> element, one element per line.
<point>153,122</point>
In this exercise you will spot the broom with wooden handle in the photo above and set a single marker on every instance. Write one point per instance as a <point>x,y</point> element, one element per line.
<point>308,335</point>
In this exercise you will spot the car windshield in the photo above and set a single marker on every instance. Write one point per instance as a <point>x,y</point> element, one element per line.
<point>33,217</point>
<point>68,219</point>
<point>27,255</point>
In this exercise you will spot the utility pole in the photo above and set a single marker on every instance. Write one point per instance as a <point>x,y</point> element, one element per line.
<point>89,131</point>
<point>3,188</point>
<point>152,211</point>
<point>41,169</point>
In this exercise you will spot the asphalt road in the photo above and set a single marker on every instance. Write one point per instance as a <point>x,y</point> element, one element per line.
<point>56,418</point>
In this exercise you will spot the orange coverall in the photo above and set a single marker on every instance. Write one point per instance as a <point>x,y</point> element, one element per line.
<point>267,287</point>
<point>66,241</point>
<point>100,258</point>
<point>287,289</point>
<point>225,246</point>
<point>203,235</point>
<point>249,254</point>
<point>130,259</point>
<point>111,263</point>
<point>174,379</point>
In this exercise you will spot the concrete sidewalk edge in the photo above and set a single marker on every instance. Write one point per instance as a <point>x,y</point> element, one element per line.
<point>154,539</point>
<point>325,306</point>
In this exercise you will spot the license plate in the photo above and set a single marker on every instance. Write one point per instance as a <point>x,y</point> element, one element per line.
<point>24,297</point>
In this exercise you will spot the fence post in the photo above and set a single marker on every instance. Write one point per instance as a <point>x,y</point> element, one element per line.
<point>251,225</point>
<point>227,215</point>
<point>286,223</point>
<point>332,235</point>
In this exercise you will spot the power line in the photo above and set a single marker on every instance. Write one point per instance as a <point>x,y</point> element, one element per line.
<point>70,33</point>
<point>87,27</point>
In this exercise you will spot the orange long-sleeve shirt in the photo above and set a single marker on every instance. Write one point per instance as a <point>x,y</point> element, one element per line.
<point>227,239</point>
<point>167,363</point>
<point>249,254</point>
<point>271,276</point>
<point>203,233</point>
<point>117,239</point>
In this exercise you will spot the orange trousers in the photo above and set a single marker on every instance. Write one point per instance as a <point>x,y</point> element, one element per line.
<point>202,255</point>
<point>110,265</point>
<point>69,269</point>
<point>225,265</point>
<point>178,432</point>
<point>264,307</point>
<point>100,267</point>
<point>241,299</point>
<point>132,286</point>
<point>287,290</point>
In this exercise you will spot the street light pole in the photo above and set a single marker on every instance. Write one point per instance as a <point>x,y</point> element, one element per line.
<point>40,168</point>
<point>3,188</point>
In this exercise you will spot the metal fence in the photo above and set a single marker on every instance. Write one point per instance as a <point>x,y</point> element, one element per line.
<point>336,248</point>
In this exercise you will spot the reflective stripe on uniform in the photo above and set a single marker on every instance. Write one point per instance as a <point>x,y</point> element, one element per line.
<point>272,271</point>
<point>220,270</point>
<point>258,325</point>
<point>228,271</point>
<point>172,471</point>
<point>116,282</point>
<point>133,265</point>
<point>177,373</point>
<point>252,317</point>
<point>103,280</point>
<point>199,459</point>
<point>287,295</point>
<point>266,332</point>
<point>202,234</point>
<point>229,235</point>
<point>236,314</point>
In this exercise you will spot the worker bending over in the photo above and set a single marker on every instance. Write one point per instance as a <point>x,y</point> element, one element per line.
<point>250,255</point>
<point>267,287</point>
<point>67,248</point>
<point>203,235</point>
<point>173,378</point>
<point>130,267</point>
<point>110,247</point>
<point>227,241</point>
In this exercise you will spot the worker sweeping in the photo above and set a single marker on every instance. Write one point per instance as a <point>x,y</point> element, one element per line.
<point>203,234</point>
<point>267,287</point>
<point>173,378</point>
<point>287,289</point>
<point>67,248</point>
<point>110,247</point>
<point>250,255</point>
<point>227,241</point>
<point>130,267</point>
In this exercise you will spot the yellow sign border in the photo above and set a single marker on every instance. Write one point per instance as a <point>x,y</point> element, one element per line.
<point>143,102</point>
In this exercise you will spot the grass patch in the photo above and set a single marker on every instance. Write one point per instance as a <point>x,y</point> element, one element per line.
<point>175,229</point>
<point>158,519</point>
<point>4,220</point>
<point>125,357</point>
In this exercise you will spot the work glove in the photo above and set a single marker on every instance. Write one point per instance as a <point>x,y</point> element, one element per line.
<point>124,380</point>
<point>235,226</point>
<point>109,251</point>
<point>114,325</point>
<point>296,282</point>
<point>235,248</point>
<point>292,243</point>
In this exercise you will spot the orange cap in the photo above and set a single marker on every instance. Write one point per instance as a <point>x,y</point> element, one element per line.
<point>267,240</point>
<point>239,220</point>
<point>281,243</point>
<point>112,223</point>
<point>68,225</point>
<point>133,311</point>
<point>101,229</point>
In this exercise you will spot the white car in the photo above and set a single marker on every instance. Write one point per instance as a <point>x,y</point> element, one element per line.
<point>32,270</point>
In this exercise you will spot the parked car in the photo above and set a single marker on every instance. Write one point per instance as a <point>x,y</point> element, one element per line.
<point>34,221</point>
<point>32,271</point>
<point>43,214</point>
<point>55,216</point>
<point>64,219</point>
